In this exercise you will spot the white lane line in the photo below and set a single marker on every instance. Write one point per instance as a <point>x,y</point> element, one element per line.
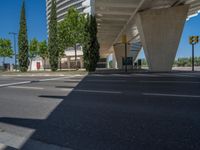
<point>41,80</point>
<point>171,95</point>
<point>65,89</point>
<point>146,75</point>
<point>175,75</point>
<point>40,88</point>
<point>188,82</point>
<point>88,91</point>
<point>72,80</point>
<point>97,91</point>
<point>16,83</point>
<point>26,87</point>
<point>61,78</point>
<point>54,79</point>
<point>106,81</point>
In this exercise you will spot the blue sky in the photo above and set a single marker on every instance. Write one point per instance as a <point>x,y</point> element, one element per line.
<point>36,22</point>
<point>36,18</point>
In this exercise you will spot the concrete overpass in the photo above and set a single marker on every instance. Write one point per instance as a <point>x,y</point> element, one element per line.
<point>155,25</point>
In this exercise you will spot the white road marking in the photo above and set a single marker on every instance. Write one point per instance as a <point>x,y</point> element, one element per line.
<point>183,82</point>
<point>171,95</point>
<point>16,83</point>
<point>90,91</point>
<point>98,91</point>
<point>54,79</point>
<point>26,87</point>
<point>73,80</point>
<point>61,78</point>
<point>175,75</point>
<point>41,80</point>
<point>146,75</point>
<point>106,81</point>
<point>65,89</point>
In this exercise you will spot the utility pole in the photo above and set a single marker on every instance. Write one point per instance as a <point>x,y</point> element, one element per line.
<point>14,38</point>
<point>193,40</point>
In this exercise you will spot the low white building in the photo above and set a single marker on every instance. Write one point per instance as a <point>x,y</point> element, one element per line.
<point>36,64</point>
<point>67,62</point>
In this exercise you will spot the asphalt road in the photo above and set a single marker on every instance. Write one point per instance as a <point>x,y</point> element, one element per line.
<point>104,112</point>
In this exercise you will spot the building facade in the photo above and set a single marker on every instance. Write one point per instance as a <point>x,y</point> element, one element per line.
<point>67,62</point>
<point>83,6</point>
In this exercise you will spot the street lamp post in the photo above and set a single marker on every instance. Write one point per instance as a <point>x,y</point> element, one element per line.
<point>14,37</point>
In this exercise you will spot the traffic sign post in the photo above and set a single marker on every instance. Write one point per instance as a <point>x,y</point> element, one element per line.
<point>193,57</point>
<point>124,41</point>
<point>193,40</point>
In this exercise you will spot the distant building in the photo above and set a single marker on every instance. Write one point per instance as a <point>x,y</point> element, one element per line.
<point>67,62</point>
<point>83,6</point>
<point>37,64</point>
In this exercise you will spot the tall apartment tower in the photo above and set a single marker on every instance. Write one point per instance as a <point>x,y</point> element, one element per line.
<point>83,6</point>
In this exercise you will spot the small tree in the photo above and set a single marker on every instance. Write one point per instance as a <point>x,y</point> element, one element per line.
<point>5,49</point>
<point>33,50</point>
<point>52,42</point>
<point>23,42</point>
<point>71,30</point>
<point>91,45</point>
<point>43,52</point>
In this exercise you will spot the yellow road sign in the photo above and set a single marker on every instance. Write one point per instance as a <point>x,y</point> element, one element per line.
<point>194,39</point>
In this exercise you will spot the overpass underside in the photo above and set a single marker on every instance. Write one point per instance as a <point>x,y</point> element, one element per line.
<point>155,25</point>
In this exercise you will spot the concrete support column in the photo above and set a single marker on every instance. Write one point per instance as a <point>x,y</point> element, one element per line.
<point>160,31</point>
<point>114,61</point>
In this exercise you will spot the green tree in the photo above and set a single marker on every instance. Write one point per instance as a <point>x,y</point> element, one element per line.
<point>52,41</point>
<point>62,44</point>
<point>186,62</point>
<point>33,50</point>
<point>60,56</point>
<point>5,49</point>
<point>71,31</point>
<point>23,42</point>
<point>91,45</point>
<point>43,52</point>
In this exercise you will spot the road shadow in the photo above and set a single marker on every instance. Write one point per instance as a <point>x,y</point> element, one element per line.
<point>102,121</point>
